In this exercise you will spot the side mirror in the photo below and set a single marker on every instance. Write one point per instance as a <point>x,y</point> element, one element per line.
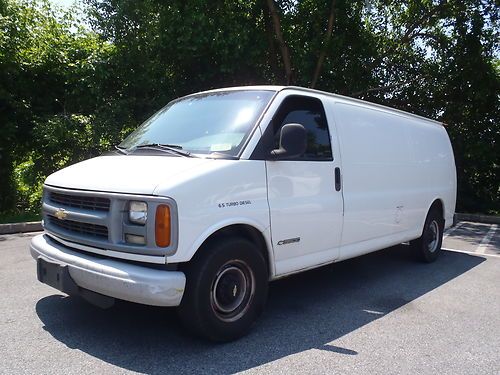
<point>293,142</point>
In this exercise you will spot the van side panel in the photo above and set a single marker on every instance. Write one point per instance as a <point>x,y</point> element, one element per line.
<point>375,168</point>
<point>393,168</point>
<point>435,172</point>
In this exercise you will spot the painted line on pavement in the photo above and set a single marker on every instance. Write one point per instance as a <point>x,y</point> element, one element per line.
<point>452,229</point>
<point>471,252</point>
<point>481,249</point>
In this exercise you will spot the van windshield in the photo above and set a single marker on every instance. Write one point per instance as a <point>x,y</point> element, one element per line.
<point>217,122</point>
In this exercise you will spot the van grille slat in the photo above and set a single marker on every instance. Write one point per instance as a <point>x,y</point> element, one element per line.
<point>93,230</point>
<point>80,201</point>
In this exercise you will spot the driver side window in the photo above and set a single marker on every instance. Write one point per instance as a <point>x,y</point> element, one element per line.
<point>309,113</point>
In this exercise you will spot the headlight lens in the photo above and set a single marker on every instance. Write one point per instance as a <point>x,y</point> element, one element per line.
<point>138,212</point>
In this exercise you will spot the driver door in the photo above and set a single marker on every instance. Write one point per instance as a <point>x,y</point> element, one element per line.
<point>306,210</point>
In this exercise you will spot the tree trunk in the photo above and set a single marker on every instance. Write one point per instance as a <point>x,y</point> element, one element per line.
<point>285,54</point>
<point>271,41</point>
<point>326,42</point>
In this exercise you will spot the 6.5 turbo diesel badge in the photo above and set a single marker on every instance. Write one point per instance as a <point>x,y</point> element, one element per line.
<point>234,204</point>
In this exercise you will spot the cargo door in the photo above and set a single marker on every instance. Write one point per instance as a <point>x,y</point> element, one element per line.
<point>377,178</point>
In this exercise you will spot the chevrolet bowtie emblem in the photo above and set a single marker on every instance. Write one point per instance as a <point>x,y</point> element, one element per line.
<point>61,213</point>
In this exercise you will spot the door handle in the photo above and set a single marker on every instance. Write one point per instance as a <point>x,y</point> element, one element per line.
<point>338,182</point>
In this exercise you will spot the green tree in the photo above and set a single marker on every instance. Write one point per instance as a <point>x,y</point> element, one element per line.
<point>47,97</point>
<point>68,92</point>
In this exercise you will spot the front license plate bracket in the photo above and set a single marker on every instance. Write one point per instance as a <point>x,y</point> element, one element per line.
<point>56,275</point>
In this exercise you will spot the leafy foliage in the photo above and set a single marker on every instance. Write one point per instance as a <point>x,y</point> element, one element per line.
<point>74,82</point>
<point>48,69</point>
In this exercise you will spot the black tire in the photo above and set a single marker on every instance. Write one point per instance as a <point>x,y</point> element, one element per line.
<point>226,289</point>
<point>428,246</point>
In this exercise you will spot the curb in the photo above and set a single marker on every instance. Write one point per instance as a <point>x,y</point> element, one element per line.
<point>487,219</point>
<point>31,226</point>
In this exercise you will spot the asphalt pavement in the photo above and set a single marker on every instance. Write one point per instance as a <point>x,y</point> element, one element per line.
<point>383,313</point>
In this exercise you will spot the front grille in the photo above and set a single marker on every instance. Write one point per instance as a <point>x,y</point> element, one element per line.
<point>93,230</point>
<point>80,201</point>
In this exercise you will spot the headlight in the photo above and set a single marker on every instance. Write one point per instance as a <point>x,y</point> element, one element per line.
<point>138,212</point>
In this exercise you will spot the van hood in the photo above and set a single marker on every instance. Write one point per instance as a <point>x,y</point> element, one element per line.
<point>123,173</point>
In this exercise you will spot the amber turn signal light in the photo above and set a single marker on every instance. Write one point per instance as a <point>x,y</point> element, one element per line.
<point>162,226</point>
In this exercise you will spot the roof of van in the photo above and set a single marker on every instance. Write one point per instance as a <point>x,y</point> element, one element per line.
<point>346,98</point>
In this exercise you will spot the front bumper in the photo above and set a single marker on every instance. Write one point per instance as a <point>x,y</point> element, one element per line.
<point>111,277</point>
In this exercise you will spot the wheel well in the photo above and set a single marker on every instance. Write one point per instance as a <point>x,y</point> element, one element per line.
<point>438,205</point>
<point>242,230</point>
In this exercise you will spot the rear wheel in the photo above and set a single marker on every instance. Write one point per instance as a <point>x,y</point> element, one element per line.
<point>428,246</point>
<point>226,289</point>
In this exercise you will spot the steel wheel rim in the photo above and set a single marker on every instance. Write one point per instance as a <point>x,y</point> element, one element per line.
<point>433,241</point>
<point>232,290</point>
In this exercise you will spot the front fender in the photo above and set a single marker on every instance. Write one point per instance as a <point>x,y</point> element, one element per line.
<point>188,254</point>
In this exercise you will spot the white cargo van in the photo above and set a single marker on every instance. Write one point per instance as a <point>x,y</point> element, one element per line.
<point>222,191</point>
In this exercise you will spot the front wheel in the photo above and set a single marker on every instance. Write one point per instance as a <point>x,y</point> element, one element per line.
<point>428,246</point>
<point>226,289</point>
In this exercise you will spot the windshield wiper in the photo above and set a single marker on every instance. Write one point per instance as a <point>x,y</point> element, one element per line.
<point>121,150</point>
<point>173,149</point>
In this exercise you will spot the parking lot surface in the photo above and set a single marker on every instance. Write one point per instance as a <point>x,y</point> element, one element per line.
<point>383,313</point>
